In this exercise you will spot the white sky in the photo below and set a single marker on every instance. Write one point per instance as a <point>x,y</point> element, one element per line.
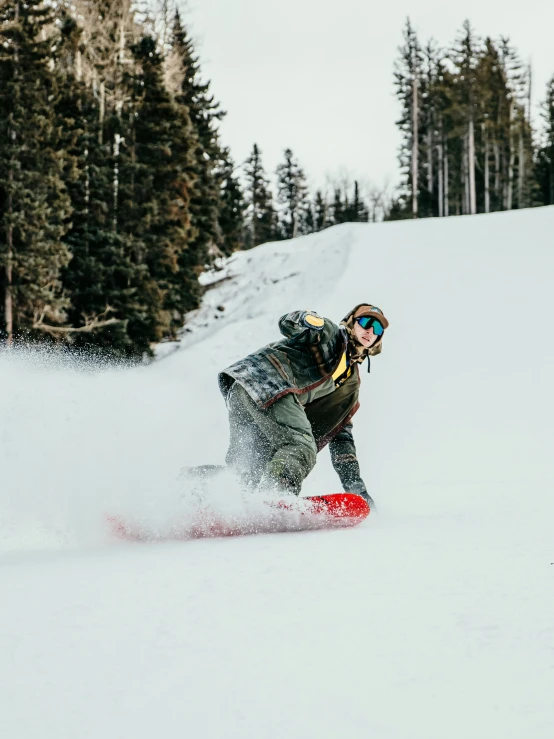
<point>317,75</point>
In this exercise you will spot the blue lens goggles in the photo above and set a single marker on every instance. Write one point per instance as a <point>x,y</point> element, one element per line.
<point>370,322</point>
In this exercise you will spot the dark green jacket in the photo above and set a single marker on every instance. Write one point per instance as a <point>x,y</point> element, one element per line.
<point>301,361</point>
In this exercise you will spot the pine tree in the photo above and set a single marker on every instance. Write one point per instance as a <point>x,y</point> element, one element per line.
<point>512,71</point>
<point>292,194</point>
<point>308,220</point>
<point>408,89</point>
<point>338,207</point>
<point>474,142</point>
<point>431,147</point>
<point>439,81</point>
<point>155,183</point>
<point>356,210</point>
<point>34,206</point>
<point>260,214</point>
<point>545,158</point>
<point>232,207</point>
<point>493,94</point>
<point>145,173</point>
<point>97,278</point>
<point>465,59</point>
<point>209,157</point>
<point>320,210</point>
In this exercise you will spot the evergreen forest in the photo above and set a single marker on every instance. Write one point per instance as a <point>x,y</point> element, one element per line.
<point>469,145</point>
<point>116,190</point>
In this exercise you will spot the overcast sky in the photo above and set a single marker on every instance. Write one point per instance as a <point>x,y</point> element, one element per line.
<point>317,75</point>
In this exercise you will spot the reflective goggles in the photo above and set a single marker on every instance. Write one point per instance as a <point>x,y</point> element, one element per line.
<point>368,322</point>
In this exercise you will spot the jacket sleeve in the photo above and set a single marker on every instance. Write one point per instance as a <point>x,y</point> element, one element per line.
<point>345,461</point>
<point>302,325</point>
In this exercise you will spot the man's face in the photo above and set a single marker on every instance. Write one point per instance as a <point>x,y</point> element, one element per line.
<point>365,336</point>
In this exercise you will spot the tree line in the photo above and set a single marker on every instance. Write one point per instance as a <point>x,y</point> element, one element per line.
<point>469,145</point>
<point>114,185</point>
<point>293,211</point>
<point>116,190</point>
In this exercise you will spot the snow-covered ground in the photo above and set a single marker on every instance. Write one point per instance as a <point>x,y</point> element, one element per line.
<point>434,619</point>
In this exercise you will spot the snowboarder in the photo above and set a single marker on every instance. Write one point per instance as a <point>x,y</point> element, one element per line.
<point>293,397</point>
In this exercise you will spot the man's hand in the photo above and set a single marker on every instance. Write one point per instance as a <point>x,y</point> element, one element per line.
<point>359,488</point>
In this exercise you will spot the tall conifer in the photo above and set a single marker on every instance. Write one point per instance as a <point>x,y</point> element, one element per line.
<point>474,141</point>
<point>321,212</point>
<point>292,194</point>
<point>97,279</point>
<point>208,155</point>
<point>232,207</point>
<point>34,205</point>
<point>339,206</point>
<point>155,184</point>
<point>408,88</point>
<point>356,209</point>
<point>545,161</point>
<point>261,218</point>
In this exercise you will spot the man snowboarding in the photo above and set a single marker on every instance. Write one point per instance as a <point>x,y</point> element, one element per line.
<point>293,397</point>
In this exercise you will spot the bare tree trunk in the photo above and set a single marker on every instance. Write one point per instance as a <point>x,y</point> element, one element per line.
<point>510,193</point>
<point>521,171</point>
<point>254,207</point>
<point>496,172</point>
<point>446,176</point>
<point>430,160</point>
<point>440,182</point>
<point>415,146</point>
<point>529,90</point>
<point>102,111</point>
<point>377,206</point>
<point>8,296</point>
<point>487,172</point>
<point>121,53</point>
<point>471,168</point>
<point>465,180</point>
<point>116,142</point>
<point>164,11</point>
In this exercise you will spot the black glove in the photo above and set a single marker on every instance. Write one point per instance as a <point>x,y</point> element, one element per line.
<point>358,488</point>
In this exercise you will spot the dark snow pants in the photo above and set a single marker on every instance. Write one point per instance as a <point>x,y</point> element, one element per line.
<point>275,444</point>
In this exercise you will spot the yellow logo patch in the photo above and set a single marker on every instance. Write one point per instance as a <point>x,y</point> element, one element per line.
<point>313,320</point>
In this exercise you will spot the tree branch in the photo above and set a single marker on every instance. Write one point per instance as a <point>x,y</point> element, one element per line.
<point>92,323</point>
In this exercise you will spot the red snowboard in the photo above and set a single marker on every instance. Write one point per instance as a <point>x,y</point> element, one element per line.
<point>339,510</point>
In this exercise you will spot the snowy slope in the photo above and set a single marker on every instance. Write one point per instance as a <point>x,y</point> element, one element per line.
<point>433,619</point>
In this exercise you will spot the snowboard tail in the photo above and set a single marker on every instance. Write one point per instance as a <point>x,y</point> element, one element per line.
<point>340,510</point>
